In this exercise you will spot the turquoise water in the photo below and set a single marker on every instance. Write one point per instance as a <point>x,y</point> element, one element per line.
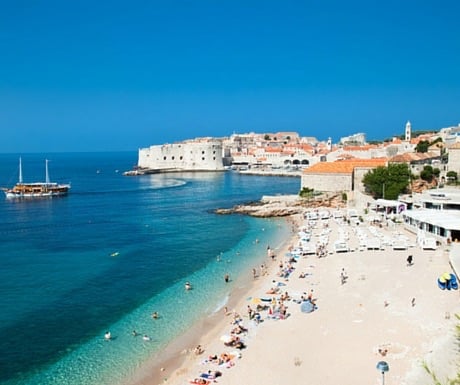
<point>112,252</point>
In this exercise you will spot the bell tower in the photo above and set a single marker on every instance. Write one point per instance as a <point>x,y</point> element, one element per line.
<point>408,132</point>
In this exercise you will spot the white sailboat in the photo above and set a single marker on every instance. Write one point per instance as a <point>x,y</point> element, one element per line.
<point>36,189</point>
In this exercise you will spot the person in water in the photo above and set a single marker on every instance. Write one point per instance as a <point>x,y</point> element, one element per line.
<point>107,336</point>
<point>188,286</point>
<point>155,315</point>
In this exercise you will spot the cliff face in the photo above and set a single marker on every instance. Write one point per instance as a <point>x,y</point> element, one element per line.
<point>281,206</point>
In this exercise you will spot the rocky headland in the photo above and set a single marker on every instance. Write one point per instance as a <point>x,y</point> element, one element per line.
<point>283,205</point>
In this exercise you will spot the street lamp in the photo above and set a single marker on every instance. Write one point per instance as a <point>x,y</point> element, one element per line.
<point>383,367</point>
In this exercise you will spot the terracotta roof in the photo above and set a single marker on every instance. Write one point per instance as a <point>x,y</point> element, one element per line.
<point>345,156</point>
<point>364,147</point>
<point>405,158</point>
<point>412,156</point>
<point>273,149</point>
<point>344,166</point>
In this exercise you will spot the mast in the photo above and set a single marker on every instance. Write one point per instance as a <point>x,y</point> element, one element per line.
<point>47,177</point>
<point>20,170</point>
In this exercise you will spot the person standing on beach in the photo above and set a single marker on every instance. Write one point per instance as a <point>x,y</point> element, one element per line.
<point>343,276</point>
<point>227,278</point>
<point>409,260</point>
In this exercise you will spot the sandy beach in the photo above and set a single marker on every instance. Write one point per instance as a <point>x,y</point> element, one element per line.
<point>385,310</point>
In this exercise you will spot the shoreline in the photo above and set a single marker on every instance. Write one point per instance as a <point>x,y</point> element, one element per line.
<point>351,317</point>
<point>178,355</point>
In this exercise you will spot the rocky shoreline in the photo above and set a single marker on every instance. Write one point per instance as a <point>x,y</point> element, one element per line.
<point>282,206</point>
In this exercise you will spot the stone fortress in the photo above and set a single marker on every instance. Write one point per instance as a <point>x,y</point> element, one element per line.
<point>204,154</point>
<point>322,165</point>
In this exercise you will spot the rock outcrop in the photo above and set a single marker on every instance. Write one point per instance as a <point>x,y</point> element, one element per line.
<point>283,205</point>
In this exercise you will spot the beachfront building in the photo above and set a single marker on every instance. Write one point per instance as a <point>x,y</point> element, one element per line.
<point>342,175</point>
<point>202,154</point>
<point>435,213</point>
<point>438,199</point>
<point>444,226</point>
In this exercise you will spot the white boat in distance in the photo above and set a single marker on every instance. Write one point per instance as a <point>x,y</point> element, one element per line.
<point>36,189</point>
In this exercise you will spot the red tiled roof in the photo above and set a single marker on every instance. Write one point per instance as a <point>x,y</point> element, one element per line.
<point>344,166</point>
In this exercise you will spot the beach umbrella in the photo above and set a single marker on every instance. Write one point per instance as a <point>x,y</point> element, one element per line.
<point>445,276</point>
<point>256,300</point>
<point>307,307</point>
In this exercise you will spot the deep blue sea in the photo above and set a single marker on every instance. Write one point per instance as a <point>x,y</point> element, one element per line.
<point>110,253</point>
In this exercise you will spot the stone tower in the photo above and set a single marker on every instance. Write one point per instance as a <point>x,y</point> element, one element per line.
<point>408,132</point>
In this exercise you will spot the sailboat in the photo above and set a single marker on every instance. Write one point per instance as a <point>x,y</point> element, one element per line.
<point>36,189</point>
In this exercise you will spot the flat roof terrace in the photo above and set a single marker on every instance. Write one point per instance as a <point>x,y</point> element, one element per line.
<point>444,224</point>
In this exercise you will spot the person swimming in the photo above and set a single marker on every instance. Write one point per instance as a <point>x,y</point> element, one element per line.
<point>146,338</point>
<point>107,336</point>
<point>188,286</point>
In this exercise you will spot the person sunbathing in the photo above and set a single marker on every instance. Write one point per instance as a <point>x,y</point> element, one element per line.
<point>272,290</point>
<point>200,381</point>
<point>211,374</point>
<point>239,329</point>
<point>224,358</point>
<point>213,358</point>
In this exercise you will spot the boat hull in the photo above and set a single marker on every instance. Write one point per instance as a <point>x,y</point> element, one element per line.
<point>45,189</point>
<point>36,190</point>
<point>20,195</point>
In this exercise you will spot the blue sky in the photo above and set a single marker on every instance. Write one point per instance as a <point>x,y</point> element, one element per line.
<point>119,75</point>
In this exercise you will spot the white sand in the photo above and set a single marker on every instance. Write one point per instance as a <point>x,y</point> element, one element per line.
<point>339,342</point>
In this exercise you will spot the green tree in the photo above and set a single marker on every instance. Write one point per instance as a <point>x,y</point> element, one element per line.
<point>306,193</point>
<point>267,137</point>
<point>422,146</point>
<point>452,175</point>
<point>387,182</point>
<point>427,173</point>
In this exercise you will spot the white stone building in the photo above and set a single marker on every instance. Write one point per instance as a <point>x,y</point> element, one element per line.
<point>203,154</point>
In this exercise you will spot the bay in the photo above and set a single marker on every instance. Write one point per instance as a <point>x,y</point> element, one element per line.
<point>111,252</point>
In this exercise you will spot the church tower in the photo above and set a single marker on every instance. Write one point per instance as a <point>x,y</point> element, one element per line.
<point>408,132</point>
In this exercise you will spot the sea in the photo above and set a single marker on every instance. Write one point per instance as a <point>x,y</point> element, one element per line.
<point>112,252</point>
